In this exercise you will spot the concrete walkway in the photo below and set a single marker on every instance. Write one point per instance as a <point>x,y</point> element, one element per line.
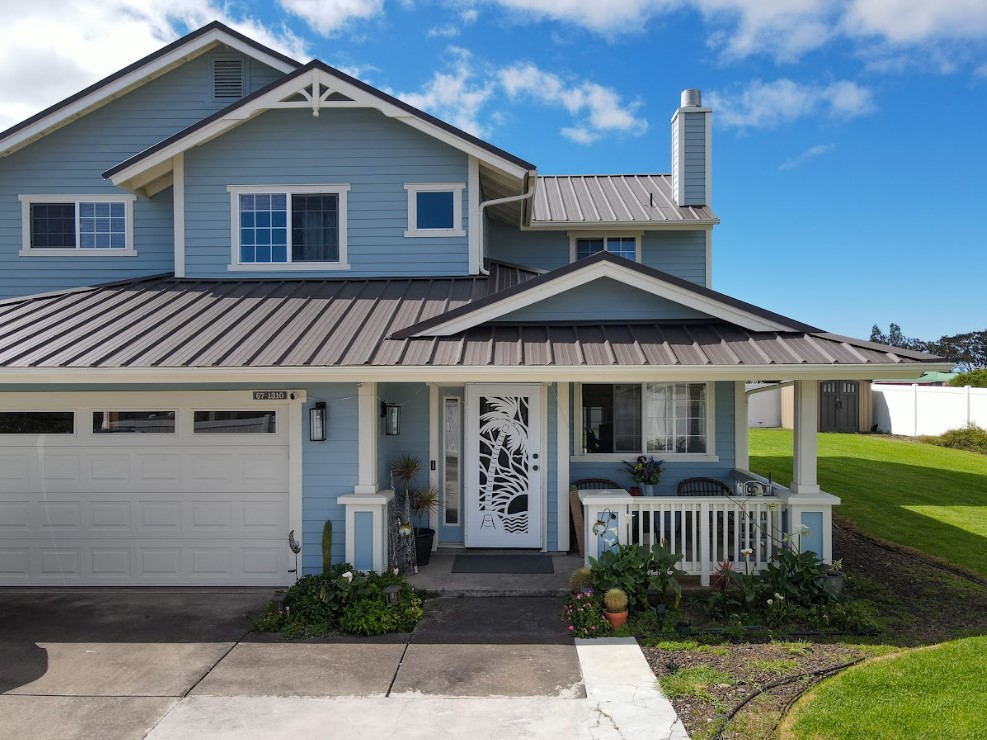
<point>135,664</point>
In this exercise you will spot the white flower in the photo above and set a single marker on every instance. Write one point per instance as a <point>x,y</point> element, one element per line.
<point>779,597</point>
<point>802,531</point>
<point>348,575</point>
<point>395,571</point>
<point>770,602</point>
<point>747,552</point>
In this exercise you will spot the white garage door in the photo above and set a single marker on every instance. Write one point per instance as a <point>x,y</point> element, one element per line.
<point>143,489</point>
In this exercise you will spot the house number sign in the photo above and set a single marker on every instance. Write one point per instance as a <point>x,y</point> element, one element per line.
<point>270,395</point>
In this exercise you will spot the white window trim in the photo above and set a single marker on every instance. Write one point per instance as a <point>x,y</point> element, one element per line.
<point>708,456</point>
<point>28,251</point>
<point>456,188</point>
<point>235,265</point>
<point>574,235</point>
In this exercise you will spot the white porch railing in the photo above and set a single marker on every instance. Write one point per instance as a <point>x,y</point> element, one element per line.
<point>707,530</point>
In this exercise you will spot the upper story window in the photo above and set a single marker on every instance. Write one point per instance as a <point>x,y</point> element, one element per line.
<point>289,227</point>
<point>623,246</point>
<point>435,209</point>
<point>77,225</point>
<point>646,418</point>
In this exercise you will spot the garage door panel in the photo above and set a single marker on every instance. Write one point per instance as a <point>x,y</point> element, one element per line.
<point>142,509</point>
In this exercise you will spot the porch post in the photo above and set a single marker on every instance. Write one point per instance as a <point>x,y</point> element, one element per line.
<point>806,426</point>
<point>741,427</point>
<point>562,462</point>
<point>368,411</point>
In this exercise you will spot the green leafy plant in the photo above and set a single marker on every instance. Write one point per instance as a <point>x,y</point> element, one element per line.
<point>971,438</point>
<point>798,576</point>
<point>424,505</point>
<point>583,615</point>
<point>645,471</point>
<point>663,574</point>
<point>342,600</point>
<point>626,568</point>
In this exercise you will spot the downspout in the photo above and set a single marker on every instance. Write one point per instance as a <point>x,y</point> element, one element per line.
<point>532,180</point>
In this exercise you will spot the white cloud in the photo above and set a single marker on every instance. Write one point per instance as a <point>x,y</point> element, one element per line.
<point>330,16</point>
<point>771,104</point>
<point>981,71</point>
<point>95,39</point>
<point>601,16</point>
<point>917,21</point>
<point>811,153</point>
<point>784,29</point>
<point>600,109</point>
<point>445,31</point>
<point>456,95</point>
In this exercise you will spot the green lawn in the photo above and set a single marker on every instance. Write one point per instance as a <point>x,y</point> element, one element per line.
<point>933,499</point>
<point>933,693</point>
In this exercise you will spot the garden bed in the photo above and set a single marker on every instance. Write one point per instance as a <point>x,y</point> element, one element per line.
<point>707,674</point>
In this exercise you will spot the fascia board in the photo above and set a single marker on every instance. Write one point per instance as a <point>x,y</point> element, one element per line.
<point>595,272</point>
<point>459,374</point>
<point>275,95</point>
<point>690,225</point>
<point>124,84</point>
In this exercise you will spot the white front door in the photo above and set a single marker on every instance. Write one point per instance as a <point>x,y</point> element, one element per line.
<point>503,461</point>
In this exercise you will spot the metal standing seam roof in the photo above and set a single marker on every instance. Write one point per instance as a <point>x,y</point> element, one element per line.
<point>178,323</point>
<point>603,199</point>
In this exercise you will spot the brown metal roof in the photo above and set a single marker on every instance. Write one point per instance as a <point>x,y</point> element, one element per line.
<point>169,322</point>
<point>611,199</point>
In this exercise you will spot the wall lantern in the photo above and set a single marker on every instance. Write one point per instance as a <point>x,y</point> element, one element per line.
<point>391,414</point>
<point>392,594</point>
<point>317,422</point>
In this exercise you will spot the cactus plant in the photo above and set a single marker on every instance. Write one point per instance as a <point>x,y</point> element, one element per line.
<point>615,601</point>
<point>581,578</point>
<point>327,546</point>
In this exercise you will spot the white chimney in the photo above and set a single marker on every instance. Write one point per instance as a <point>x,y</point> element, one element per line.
<point>691,148</point>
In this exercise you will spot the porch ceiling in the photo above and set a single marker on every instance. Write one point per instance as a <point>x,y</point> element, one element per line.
<point>164,322</point>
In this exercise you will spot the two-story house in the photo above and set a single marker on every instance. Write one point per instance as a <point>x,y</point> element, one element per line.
<point>235,288</point>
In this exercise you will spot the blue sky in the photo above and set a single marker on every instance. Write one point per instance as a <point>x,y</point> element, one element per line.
<point>848,150</point>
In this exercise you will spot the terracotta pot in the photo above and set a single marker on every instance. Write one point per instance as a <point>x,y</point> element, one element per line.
<point>617,619</point>
<point>634,491</point>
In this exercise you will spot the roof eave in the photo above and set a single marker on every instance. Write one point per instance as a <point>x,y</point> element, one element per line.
<point>134,75</point>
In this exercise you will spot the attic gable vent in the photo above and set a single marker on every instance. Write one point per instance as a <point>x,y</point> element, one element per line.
<point>227,79</point>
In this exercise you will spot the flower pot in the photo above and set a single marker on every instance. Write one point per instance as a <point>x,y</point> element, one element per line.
<point>423,544</point>
<point>616,619</point>
<point>634,491</point>
<point>647,489</point>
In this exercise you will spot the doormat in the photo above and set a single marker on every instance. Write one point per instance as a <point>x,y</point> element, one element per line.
<point>513,564</point>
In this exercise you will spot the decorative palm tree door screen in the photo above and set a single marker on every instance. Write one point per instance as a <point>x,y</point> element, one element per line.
<point>503,466</point>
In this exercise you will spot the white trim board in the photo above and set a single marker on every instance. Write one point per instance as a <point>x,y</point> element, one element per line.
<point>133,177</point>
<point>592,272</point>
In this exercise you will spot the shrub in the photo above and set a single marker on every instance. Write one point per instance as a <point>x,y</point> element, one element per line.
<point>583,615</point>
<point>971,438</point>
<point>634,570</point>
<point>974,378</point>
<point>342,600</point>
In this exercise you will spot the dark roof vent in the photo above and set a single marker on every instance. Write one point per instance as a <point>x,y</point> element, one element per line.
<point>227,79</point>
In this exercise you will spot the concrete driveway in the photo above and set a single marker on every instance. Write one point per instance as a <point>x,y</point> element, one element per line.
<point>114,663</point>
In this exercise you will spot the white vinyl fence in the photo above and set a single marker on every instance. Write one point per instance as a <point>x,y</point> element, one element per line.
<point>914,410</point>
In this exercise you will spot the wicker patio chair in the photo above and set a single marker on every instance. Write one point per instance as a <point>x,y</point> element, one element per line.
<point>703,487</point>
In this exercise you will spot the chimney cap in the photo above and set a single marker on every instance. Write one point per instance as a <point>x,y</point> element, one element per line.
<point>692,98</point>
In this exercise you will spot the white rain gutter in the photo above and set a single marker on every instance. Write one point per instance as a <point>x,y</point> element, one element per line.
<point>532,180</point>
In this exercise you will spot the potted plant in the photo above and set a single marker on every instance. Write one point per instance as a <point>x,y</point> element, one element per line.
<point>646,472</point>
<point>424,504</point>
<point>420,504</point>
<point>615,603</point>
<point>580,580</point>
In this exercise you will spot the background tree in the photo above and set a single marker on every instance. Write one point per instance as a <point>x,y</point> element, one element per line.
<point>966,351</point>
<point>974,378</point>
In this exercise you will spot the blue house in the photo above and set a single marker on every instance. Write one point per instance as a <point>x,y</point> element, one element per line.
<point>234,288</point>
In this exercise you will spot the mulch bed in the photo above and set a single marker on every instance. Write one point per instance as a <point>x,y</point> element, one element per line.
<point>918,602</point>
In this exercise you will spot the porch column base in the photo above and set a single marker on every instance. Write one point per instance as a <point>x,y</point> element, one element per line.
<point>814,513</point>
<point>365,534</point>
<point>610,507</point>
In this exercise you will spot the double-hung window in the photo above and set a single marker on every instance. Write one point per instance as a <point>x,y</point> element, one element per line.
<point>289,227</point>
<point>646,418</point>
<point>72,225</point>
<point>621,246</point>
<point>435,209</point>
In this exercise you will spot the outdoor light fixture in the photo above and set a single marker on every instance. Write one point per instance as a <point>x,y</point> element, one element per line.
<point>317,422</point>
<point>391,414</point>
<point>391,594</point>
<point>601,525</point>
